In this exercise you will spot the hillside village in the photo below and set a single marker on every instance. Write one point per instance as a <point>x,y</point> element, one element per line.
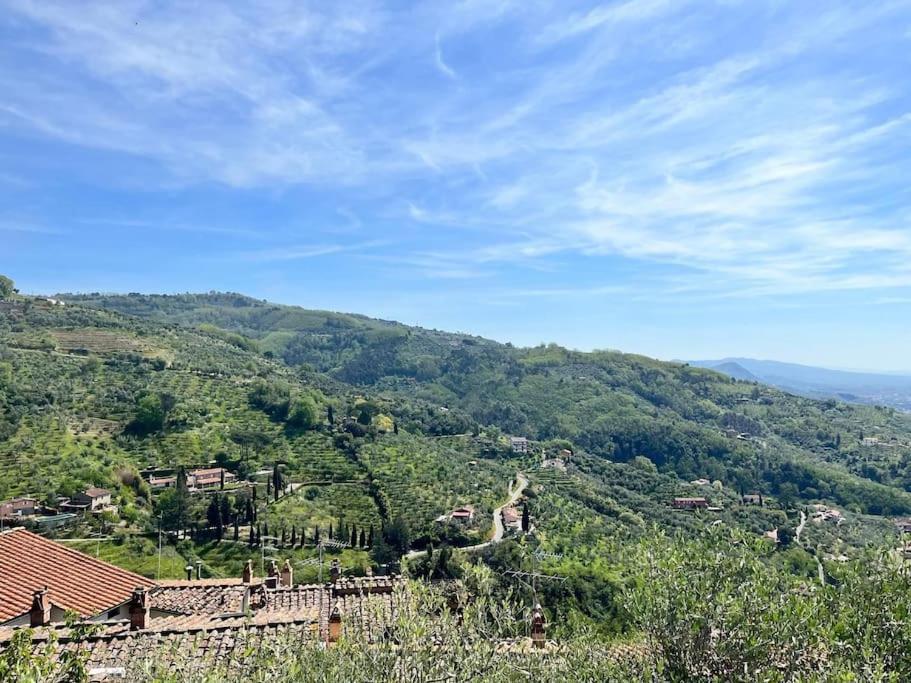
<point>235,496</point>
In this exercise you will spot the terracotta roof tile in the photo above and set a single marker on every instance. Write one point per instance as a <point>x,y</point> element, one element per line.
<point>29,562</point>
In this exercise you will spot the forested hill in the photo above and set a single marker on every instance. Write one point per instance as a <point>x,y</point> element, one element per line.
<point>689,422</point>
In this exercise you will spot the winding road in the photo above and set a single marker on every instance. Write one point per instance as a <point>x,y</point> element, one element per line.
<point>803,523</point>
<point>498,530</point>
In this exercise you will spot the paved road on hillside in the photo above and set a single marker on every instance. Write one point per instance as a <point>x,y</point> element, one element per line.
<point>498,530</point>
<point>803,523</point>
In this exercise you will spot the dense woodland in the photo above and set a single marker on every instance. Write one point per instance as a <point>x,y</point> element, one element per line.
<point>366,431</point>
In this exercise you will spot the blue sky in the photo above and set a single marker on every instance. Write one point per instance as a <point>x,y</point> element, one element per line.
<point>680,179</point>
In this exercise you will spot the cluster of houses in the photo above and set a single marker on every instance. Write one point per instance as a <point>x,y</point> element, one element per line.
<point>823,513</point>
<point>463,515</point>
<point>92,500</point>
<point>198,622</point>
<point>200,479</point>
<point>192,625</point>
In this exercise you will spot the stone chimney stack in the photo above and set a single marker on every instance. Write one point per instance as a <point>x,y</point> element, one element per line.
<point>272,579</point>
<point>335,624</point>
<point>335,571</point>
<point>40,613</point>
<point>287,574</point>
<point>139,610</point>
<point>537,627</point>
<point>247,576</point>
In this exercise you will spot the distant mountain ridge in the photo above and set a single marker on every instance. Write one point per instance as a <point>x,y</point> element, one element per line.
<point>856,387</point>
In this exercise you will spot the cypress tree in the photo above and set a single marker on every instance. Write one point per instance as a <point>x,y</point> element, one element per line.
<point>236,528</point>
<point>252,539</point>
<point>293,536</point>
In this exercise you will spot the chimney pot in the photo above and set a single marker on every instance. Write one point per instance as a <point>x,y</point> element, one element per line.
<point>335,624</point>
<point>273,578</point>
<point>537,627</point>
<point>40,613</point>
<point>287,574</point>
<point>139,610</point>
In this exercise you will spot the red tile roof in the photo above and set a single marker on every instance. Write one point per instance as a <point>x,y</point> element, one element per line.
<point>76,581</point>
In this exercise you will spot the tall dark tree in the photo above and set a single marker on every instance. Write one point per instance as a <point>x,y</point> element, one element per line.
<point>353,540</point>
<point>316,536</point>
<point>249,511</point>
<point>213,516</point>
<point>236,528</point>
<point>363,539</point>
<point>277,484</point>
<point>330,415</point>
<point>293,536</point>
<point>252,540</point>
<point>526,521</point>
<point>266,528</point>
<point>283,538</point>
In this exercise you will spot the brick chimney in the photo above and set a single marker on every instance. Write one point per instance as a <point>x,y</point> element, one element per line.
<point>139,610</point>
<point>537,627</point>
<point>272,579</point>
<point>287,574</point>
<point>335,571</point>
<point>335,624</point>
<point>247,576</point>
<point>40,613</point>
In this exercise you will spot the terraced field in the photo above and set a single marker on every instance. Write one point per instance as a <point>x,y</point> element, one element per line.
<point>97,341</point>
<point>421,479</point>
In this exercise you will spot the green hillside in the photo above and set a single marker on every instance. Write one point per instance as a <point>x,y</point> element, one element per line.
<point>373,430</point>
<point>690,422</point>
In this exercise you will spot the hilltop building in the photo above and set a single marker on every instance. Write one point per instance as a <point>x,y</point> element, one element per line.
<point>519,444</point>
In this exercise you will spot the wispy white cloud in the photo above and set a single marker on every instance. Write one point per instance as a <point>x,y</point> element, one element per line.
<point>444,68</point>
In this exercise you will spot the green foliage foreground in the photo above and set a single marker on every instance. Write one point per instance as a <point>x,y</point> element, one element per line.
<point>710,609</point>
